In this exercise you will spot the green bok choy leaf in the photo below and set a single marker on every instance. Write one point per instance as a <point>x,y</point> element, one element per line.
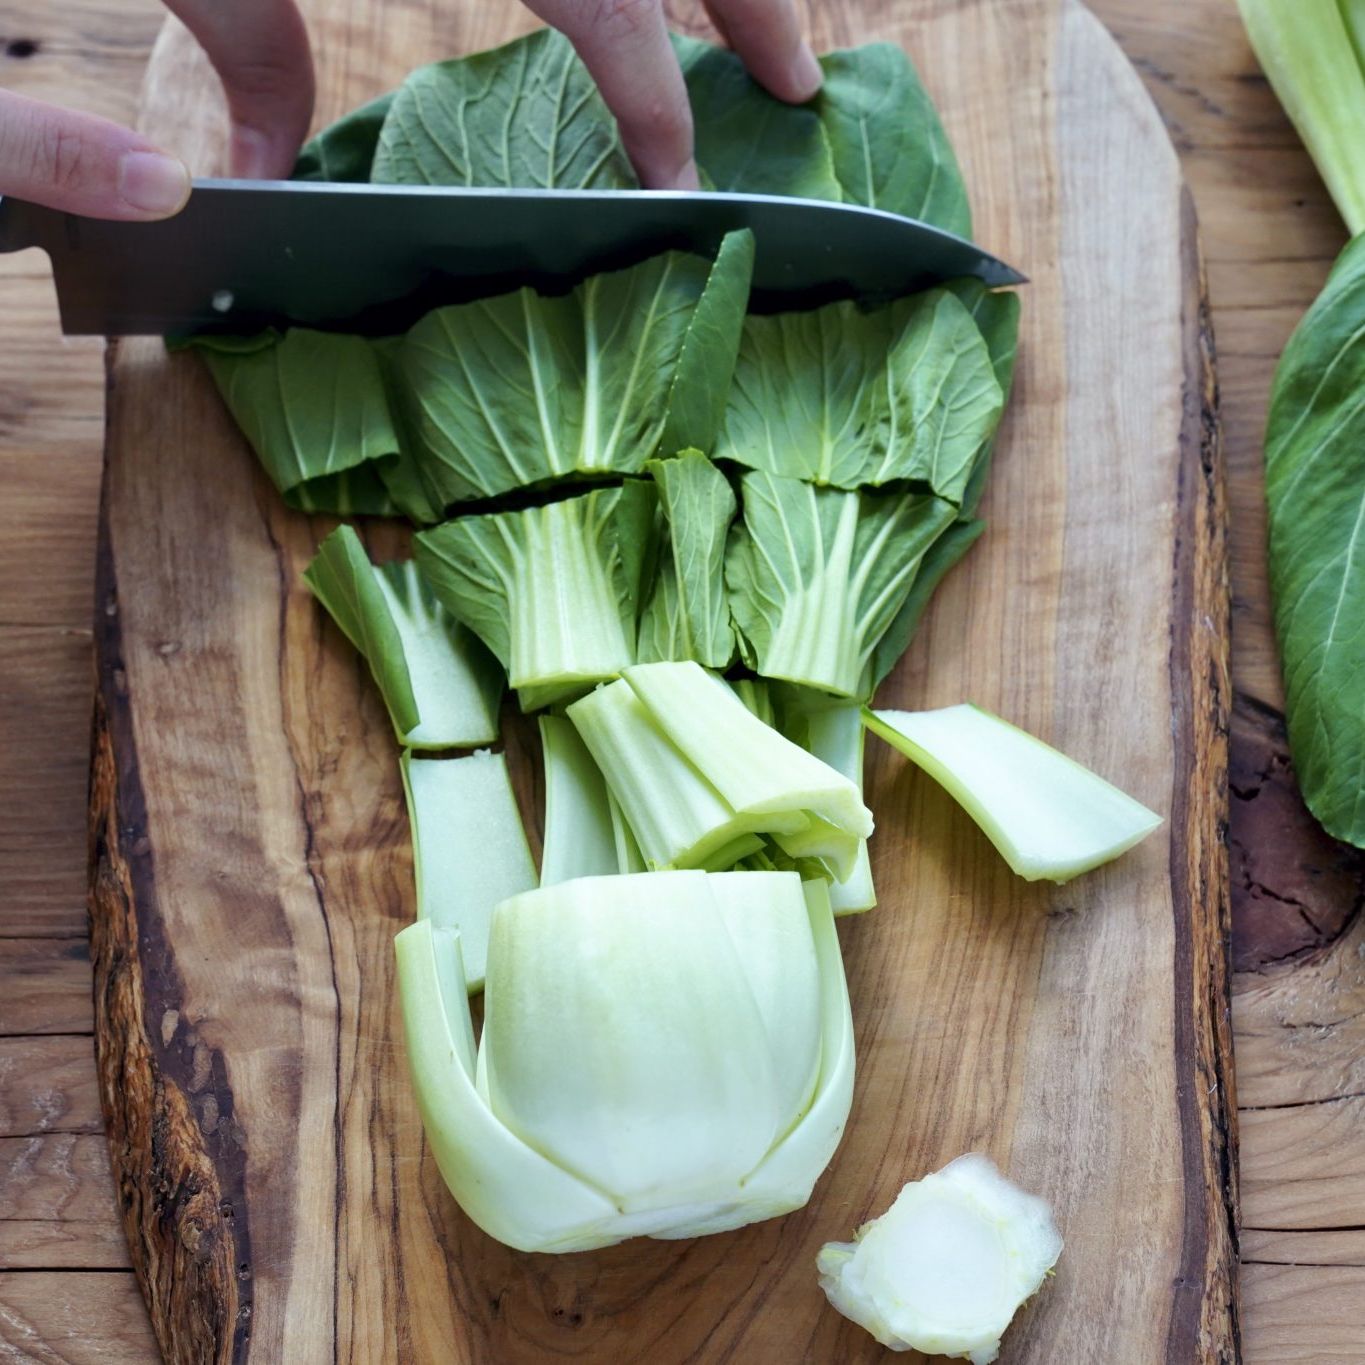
<point>526,114</point>
<point>314,408</point>
<point>1315,488</point>
<point>850,398</point>
<point>1313,51</point>
<point>522,389</point>
<point>666,1055</point>
<point>688,615</point>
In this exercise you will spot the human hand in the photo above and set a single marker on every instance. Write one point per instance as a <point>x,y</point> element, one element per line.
<point>624,44</point>
<point>87,165</point>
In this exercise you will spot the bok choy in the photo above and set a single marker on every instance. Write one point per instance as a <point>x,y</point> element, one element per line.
<point>665,1054</point>
<point>696,774</point>
<point>441,685</point>
<point>850,398</point>
<point>817,576</point>
<point>947,1266</point>
<point>580,834</point>
<point>468,846</point>
<point>523,389</point>
<point>553,591</point>
<point>1047,815</point>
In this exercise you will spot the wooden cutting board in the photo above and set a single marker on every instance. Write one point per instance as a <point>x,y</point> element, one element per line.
<point>250,861</point>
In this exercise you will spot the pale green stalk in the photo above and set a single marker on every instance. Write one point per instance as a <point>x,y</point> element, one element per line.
<point>1311,51</point>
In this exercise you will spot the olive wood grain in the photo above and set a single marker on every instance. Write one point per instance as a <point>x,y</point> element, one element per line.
<point>250,858</point>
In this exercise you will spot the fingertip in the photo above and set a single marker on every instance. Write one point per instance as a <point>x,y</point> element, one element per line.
<point>806,75</point>
<point>794,81</point>
<point>686,178</point>
<point>152,185</point>
<point>255,155</point>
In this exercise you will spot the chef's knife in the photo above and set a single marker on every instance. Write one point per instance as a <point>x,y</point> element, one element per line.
<point>243,254</point>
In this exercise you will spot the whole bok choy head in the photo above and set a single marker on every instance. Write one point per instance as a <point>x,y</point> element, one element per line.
<point>664,1054</point>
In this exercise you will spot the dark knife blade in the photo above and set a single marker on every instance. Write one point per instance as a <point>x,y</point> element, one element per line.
<point>371,258</point>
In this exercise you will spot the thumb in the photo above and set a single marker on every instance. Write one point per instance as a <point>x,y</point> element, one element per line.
<point>82,164</point>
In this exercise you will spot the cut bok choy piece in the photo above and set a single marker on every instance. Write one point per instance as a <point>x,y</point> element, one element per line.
<point>580,834</point>
<point>440,684</point>
<point>851,398</point>
<point>1050,817</point>
<point>313,406</point>
<point>946,1267</point>
<point>836,736</point>
<point>523,389</point>
<point>469,847</point>
<point>665,1055</point>
<point>688,616</point>
<point>694,771</point>
<point>553,591</point>
<point>816,576</point>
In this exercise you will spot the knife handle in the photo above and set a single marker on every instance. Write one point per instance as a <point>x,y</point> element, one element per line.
<point>16,224</point>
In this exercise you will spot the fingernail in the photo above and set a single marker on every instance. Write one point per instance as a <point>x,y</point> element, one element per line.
<point>153,183</point>
<point>252,155</point>
<point>807,76</point>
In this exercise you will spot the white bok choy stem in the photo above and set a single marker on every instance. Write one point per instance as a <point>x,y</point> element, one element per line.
<point>693,770</point>
<point>1050,818</point>
<point>836,736</point>
<point>580,835</point>
<point>663,1054</point>
<point>946,1267</point>
<point>468,846</point>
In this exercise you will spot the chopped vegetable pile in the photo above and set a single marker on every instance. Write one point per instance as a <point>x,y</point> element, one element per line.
<point>694,540</point>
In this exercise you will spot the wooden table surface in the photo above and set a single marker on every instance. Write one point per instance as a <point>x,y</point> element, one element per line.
<point>66,1293</point>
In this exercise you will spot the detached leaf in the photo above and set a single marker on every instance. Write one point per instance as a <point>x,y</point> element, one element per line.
<point>439,683</point>
<point>515,391</point>
<point>313,407</point>
<point>816,576</point>
<point>688,616</point>
<point>850,398</point>
<point>526,114</point>
<point>747,139</point>
<point>1315,488</point>
<point>888,147</point>
<point>553,591</point>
